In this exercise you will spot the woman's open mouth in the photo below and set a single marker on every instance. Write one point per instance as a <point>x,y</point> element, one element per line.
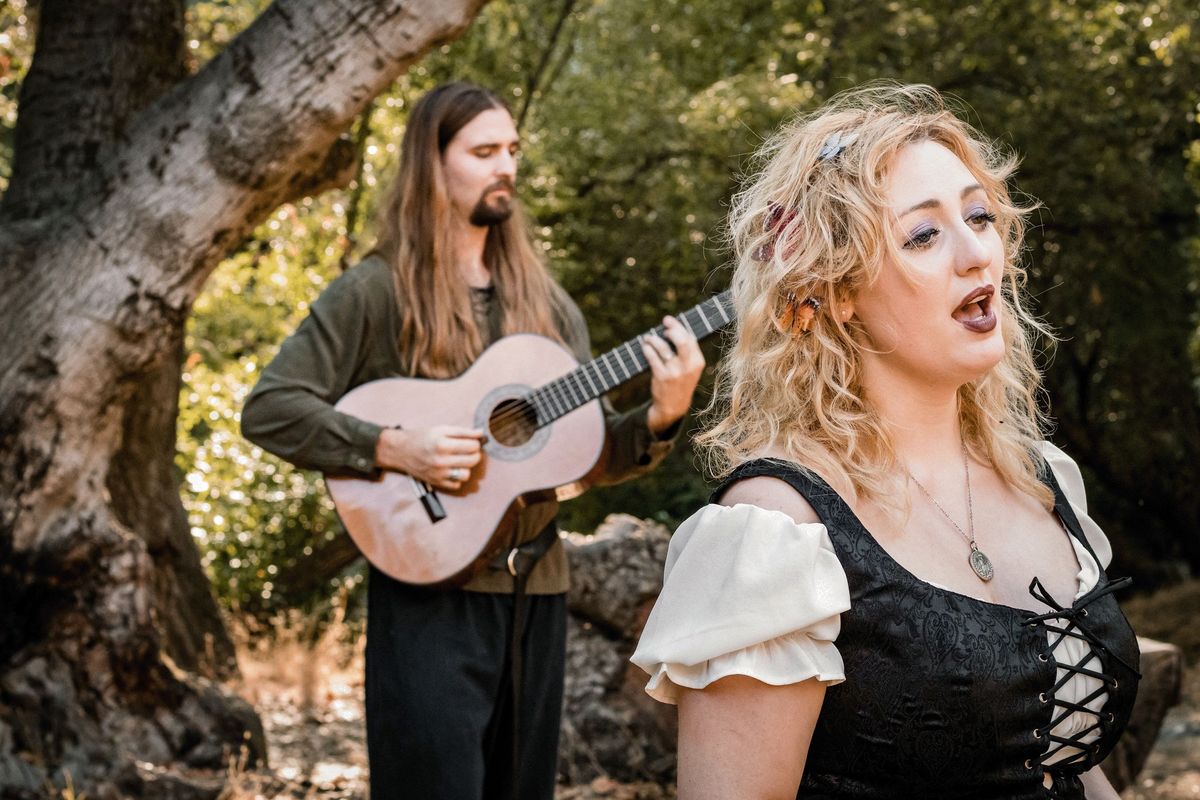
<point>975,311</point>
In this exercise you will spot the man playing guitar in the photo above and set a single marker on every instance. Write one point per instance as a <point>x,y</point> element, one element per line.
<point>454,270</point>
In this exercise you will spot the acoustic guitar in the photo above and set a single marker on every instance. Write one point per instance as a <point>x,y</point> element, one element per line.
<point>541,412</point>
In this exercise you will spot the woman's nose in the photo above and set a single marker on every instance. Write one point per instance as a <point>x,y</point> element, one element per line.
<point>971,252</point>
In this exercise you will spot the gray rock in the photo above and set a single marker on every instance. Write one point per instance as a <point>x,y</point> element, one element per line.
<point>611,729</point>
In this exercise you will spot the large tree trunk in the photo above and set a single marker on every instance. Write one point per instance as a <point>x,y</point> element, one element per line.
<point>130,182</point>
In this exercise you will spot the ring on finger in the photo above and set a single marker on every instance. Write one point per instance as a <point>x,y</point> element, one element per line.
<point>458,474</point>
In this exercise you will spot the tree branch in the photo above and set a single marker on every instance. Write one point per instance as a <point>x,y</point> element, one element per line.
<point>535,77</point>
<point>96,65</point>
<point>215,156</point>
<point>354,207</point>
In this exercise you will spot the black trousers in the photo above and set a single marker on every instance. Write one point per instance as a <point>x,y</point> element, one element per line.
<point>439,698</point>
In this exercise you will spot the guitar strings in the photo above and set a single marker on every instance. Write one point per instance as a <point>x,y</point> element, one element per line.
<point>558,392</point>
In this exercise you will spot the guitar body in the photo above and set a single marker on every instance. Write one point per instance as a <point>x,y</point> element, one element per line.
<point>385,517</point>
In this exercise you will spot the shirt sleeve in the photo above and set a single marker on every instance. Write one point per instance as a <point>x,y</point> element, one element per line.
<point>290,411</point>
<point>1071,480</point>
<point>633,449</point>
<point>746,591</point>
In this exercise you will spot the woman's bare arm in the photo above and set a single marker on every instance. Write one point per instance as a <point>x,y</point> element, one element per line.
<point>1097,787</point>
<point>740,737</point>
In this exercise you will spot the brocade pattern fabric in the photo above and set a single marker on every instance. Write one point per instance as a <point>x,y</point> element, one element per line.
<point>949,696</point>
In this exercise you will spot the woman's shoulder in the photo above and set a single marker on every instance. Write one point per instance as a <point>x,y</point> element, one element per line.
<point>769,493</point>
<point>775,481</point>
<point>1070,480</point>
<point>1066,472</point>
<point>748,590</point>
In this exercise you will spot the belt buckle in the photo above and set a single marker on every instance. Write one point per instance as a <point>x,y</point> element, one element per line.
<point>512,561</point>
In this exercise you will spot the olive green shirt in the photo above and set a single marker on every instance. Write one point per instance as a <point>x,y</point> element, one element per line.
<point>351,337</point>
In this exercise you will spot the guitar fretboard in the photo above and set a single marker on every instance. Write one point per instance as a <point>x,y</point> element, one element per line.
<point>624,362</point>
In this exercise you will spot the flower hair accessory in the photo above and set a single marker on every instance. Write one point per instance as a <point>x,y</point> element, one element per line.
<point>777,220</point>
<point>835,144</point>
<point>797,315</point>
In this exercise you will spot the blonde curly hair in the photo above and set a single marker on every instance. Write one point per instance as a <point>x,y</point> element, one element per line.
<point>814,222</point>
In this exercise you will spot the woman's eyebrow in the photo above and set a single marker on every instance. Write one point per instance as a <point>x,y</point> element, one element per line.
<point>933,203</point>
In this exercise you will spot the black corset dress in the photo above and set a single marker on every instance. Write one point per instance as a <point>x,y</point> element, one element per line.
<point>947,696</point>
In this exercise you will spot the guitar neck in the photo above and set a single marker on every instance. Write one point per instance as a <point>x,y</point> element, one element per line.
<point>621,364</point>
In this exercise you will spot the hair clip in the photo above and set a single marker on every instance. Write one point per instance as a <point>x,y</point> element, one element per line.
<point>835,144</point>
<point>798,315</point>
<point>777,220</point>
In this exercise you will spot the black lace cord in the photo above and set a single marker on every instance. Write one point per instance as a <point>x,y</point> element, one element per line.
<point>1063,708</point>
<point>1078,609</point>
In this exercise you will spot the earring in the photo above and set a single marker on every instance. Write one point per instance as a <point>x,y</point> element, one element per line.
<point>797,315</point>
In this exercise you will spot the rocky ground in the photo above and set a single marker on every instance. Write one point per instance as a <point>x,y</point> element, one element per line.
<point>311,705</point>
<point>1173,770</point>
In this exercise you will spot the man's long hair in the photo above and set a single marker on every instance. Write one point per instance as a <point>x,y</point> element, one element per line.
<point>438,334</point>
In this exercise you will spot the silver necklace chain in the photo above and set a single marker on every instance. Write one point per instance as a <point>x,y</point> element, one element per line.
<point>979,562</point>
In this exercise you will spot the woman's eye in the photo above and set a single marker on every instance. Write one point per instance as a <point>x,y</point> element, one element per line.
<point>981,219</point>
<point>921,239</point>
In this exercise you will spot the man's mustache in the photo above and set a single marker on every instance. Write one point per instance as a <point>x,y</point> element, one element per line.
<point>503,183</point>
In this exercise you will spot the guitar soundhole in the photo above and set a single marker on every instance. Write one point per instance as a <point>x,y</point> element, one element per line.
<point>513,422</point>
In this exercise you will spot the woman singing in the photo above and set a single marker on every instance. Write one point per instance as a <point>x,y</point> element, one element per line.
<point>897,591</point>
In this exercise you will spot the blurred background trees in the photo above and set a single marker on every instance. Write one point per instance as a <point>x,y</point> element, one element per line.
<point>638,119</point>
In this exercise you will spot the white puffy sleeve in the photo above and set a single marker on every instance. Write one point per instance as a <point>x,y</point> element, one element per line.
<point>746,591</point>
<point>1071,480</point>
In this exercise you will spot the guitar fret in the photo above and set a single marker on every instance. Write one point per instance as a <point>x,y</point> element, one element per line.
<point>555,400</point>
<point>551,406</point>
<point>578,395</point>
<point>564,398</point>
<point>584,371</point>
<point>683,319</point>
<point>608,375</point>
<point>560,395</point>
<point>629,373</point>
<point>604,361</point>
<point>555,403</point>
<point>568,394</point>
<point>539,410</point>
<point>721,311</point>
<point>604,384</point>
<point>633,356</point>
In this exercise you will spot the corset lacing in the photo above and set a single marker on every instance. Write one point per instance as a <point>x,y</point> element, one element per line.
<point>1066,782</point>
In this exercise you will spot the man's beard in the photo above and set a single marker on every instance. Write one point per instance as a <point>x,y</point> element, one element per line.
<point>487,213</point>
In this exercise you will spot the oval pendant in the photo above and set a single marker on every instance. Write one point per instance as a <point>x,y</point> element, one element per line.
<point>981,564</point>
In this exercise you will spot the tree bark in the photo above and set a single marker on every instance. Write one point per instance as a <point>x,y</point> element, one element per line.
<point>130,183</point>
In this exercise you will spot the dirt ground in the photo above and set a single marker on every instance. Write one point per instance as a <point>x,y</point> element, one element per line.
<point>310,700</point>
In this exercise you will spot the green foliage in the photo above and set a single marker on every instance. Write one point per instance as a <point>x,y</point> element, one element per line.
<point>16,51</point>
<point>251,514</point>
<point>638,118</point>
